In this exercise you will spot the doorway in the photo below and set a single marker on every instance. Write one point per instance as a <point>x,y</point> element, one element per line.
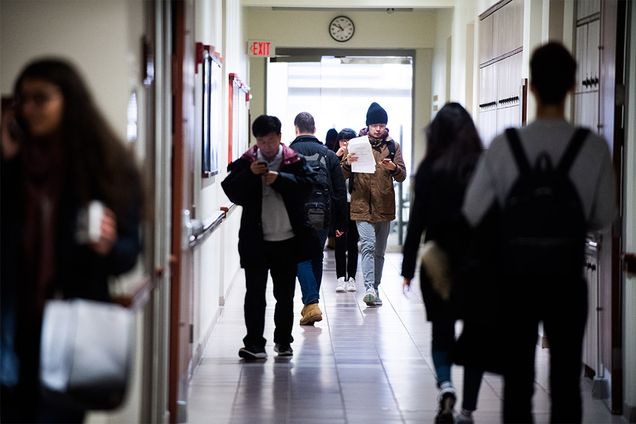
<point>337,90</point>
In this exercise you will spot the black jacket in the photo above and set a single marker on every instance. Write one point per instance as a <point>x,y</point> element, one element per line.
<point>245,189</point>
<point>439,195</point>
<point>79,271</point>
<point>308,145</point>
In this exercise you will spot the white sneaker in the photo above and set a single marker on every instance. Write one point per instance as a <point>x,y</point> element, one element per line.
<point>340,287</point>
<point>351,285</point>
<point>369,297</point>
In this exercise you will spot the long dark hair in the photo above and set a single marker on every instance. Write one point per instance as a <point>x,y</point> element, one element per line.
<point>453,141</point>
<point>97,163</point>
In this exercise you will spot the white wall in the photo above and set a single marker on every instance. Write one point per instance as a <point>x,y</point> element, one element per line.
<point>219,23</point>
<point>444,26</point>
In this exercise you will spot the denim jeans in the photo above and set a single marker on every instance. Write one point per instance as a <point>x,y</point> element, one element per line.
<point>373,238</point>
<point>309,273</point>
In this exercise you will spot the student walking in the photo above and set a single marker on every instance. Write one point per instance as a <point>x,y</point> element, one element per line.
<point>451,156</point>
<point>326,201</point>
<point>373,199</point>
<point>552,184</point>
<point>270,181</point>
<point>65,157</point>
<point>347,241</point>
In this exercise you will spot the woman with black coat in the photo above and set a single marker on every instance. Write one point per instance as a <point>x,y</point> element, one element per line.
<point>59,157</point>
<point>452,152</point>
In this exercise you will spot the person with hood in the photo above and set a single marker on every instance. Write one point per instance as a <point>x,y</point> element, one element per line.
<point>270,181</point>
<point>373,199</point>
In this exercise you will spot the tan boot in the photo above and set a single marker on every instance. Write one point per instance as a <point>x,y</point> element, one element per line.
<point>311,313</point>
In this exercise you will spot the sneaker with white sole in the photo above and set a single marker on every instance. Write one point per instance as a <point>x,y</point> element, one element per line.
<point>283,349</point>
<point>464,417</point>
<point>351,285</point>
<point>378,301</point>
<point>369,297</point>
<point>251,353</point>
<point>340,286</point>
<point>447,399</point>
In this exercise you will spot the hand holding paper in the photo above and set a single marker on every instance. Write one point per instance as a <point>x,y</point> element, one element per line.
<point>361,148</point>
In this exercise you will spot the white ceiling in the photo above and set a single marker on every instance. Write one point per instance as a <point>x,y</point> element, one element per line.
<point>350,4</point>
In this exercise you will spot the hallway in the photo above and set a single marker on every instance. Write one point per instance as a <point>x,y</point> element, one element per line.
<point>358,365</point>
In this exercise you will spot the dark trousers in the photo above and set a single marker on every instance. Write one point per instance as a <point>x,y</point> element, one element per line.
<point>347,252</point>
<point>562,307</point>
<point>278,262</point>
<point>443,316</point>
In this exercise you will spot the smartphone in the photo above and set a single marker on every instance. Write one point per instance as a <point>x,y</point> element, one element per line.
<point>262,162</point>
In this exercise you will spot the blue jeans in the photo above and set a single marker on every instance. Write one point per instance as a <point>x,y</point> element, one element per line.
<point>309,273</point>
<point>373,238</point>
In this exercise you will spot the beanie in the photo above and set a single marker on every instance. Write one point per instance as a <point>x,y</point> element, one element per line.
<point>376,115</point>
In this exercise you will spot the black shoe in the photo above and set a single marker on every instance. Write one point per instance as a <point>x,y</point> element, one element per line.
<point>446,405</point>
<point>252,353</point>
<point>283,349</point>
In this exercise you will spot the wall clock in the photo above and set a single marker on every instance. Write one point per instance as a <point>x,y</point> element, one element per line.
<point>341,28</point>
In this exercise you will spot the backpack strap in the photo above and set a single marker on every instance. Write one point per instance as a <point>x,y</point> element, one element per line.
<point>517,150</point>
<point>572,150</point>
<point>391,146</point>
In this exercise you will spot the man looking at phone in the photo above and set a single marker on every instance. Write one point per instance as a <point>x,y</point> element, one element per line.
<point>373,199</point>
<point>270,181</point>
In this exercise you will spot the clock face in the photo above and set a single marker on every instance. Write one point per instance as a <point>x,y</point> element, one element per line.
<point>341,28</point>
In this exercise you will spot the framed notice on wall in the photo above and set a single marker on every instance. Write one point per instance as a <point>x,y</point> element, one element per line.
<point>211,96</point>
<point>238,111</point>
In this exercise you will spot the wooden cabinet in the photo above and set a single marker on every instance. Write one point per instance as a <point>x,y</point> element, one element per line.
<point>586,91</point>
<point>500,89</point>
<point>586,8</point>
<point>587,57</point>
<point>485,38</point>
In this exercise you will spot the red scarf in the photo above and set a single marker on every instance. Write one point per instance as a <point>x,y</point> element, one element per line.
<point>43,176</point>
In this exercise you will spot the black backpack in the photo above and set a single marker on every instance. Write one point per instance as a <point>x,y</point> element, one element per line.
<point>318,203</point>
<point>542,224</point>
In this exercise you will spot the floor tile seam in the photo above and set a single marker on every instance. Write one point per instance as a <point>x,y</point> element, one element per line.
<point>388,380</point>
<point>416,347</point>
<point>406,328</point>
<point>333,352</point>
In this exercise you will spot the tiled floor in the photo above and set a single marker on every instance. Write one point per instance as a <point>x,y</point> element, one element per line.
<point>359,365</point>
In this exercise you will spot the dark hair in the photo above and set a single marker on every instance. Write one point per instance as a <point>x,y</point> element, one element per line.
<point>266,124</point>
<point>453,141</point>
<point>346,134</point>
<point>305,122</point>
<point>331,139</point>
<point>97,162</point>
<point>552,72</point>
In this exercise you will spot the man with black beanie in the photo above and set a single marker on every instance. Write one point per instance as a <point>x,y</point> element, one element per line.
<point>373,198</point>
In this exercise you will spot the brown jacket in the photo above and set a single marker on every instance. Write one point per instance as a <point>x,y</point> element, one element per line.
<point>372,196</point>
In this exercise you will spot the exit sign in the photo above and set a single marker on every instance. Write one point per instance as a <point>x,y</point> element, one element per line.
<point>260,48</point>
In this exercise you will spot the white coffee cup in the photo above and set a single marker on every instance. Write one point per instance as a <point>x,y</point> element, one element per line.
<point>89,223</point>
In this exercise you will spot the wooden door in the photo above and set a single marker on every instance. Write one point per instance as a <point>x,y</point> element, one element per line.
<point>611,113</point>
<point>183,137</point>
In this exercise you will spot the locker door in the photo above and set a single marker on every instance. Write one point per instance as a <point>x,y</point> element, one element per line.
<point>592,61</point>
<point>581,58</point>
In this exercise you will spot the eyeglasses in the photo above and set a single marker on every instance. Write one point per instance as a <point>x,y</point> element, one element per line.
<point>39,98</point>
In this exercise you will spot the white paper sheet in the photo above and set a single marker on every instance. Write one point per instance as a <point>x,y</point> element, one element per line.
<point>361,147</point>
